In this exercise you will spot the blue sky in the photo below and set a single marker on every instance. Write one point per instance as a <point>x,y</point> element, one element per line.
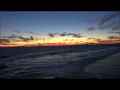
<point>44,22</point>
<point>47,21</point>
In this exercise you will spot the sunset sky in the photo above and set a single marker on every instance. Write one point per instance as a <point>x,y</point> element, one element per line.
<point>54,28</point>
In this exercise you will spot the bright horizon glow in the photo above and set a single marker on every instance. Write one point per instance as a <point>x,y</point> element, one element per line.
<point>59,28</point>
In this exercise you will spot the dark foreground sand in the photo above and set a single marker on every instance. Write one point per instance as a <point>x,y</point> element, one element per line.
<point>108,68</point>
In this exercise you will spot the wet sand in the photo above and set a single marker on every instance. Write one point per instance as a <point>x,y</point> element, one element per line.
<point>108,68</point>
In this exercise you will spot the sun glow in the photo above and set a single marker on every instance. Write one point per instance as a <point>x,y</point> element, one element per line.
<point>60,42</point>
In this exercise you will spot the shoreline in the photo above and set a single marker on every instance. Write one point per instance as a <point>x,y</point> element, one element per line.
<point>58,45</point>
<point>107,68</point>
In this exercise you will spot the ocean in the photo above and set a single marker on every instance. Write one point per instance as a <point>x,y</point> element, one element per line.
<point>51,62</point>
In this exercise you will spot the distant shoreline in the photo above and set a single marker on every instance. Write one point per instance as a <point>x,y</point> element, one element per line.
<point>60,46</point>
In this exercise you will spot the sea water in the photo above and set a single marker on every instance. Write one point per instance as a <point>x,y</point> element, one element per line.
<point>65,62</point>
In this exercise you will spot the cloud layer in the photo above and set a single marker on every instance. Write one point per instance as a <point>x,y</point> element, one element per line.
<point>114,32</point>
<point>65,34</point>
<point>108,18</point>
<point>19,31</point>
<point>107,22</point>
<point>4,40</point>
<point>114,37</point>
<point>110,40</point>
<point>52,34</point>
<point>14,37</point>
<point>32,32</point>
